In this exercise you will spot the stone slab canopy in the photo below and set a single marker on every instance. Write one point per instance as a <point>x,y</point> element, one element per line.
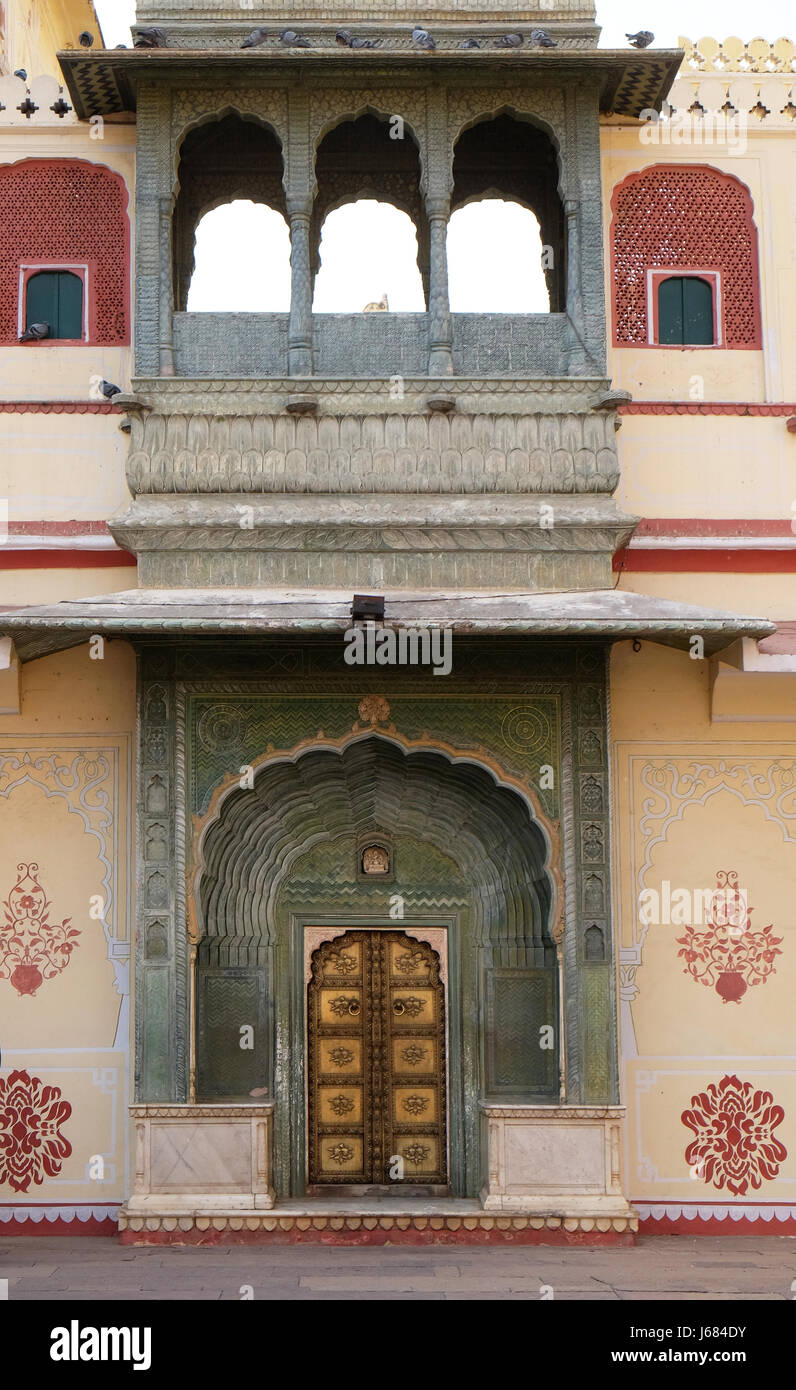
<point>611,615</point>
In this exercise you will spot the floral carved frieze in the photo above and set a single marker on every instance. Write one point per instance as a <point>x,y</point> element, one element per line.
<point>201,453</point>
<point>32,948</point>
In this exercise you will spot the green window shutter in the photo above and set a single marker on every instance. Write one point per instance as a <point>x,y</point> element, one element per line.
<point>56,297</point>
<point>685,311</point>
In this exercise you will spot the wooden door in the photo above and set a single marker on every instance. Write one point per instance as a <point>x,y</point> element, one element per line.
<point>376,1062</point>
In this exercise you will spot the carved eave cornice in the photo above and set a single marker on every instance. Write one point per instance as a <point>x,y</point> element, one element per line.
<point>103,83</point>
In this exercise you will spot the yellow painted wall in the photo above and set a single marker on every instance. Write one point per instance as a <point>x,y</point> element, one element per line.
<point>35,30</point>
<point>66,797</point>
<point>692,798</point>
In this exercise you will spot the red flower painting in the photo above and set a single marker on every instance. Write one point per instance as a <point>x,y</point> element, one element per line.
<point>729,954</point>
<point>735,1146</point>
<point>32,949</point>
<point>31,1144</point>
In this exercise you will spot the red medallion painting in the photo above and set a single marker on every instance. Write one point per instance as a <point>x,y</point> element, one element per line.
<point>31,1144</point>
<point>728,954</point>
<point>32,949</point>
<point>735,1146</point>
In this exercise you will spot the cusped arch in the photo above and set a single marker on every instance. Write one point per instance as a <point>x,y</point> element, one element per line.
<point>244,847</point>
<point>523,116</point>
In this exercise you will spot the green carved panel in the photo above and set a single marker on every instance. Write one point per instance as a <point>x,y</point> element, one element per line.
<point>229,732</point>
<point>521,1035</point>
<point>156,1078</point>
<point>598,1034</point>
<point>233,1037</point>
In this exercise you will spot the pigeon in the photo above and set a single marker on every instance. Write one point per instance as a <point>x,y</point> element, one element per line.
<point>291,39</point>
<point>86,39</point>
<point>422,39</point>
<point>151,38</point>
<point>469,43</point>
<point>508,41</point>
<point>21,72</point>
<point>109,390</point>
<point>347,40</point>
<point>35,333</point>
<point>542,39</point>
<point>256,37</point>
<point>642,39</point>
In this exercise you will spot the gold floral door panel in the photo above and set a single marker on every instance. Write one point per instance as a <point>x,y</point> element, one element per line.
<point>376,1070</point>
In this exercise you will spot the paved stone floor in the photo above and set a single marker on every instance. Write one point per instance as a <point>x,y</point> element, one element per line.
<point>660,1267</point>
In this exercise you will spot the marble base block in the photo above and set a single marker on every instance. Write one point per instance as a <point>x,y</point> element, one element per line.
<point>560,1159</point>
<point>192,1158</point>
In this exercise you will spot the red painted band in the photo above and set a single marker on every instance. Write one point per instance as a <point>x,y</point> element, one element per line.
<point>705,561</point>
<point>65,559</point>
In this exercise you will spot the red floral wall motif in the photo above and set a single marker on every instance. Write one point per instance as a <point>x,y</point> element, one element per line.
<point>690,217</point>
<point>72,212</point>
<point>728,954</point>
<point>735,1143</point>
<point>31,1144</point>
<point>32,949</point>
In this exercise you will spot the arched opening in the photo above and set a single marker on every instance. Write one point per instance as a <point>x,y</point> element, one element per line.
<point>368,257</point>
<point>369,161</point>
<point>241,260</point>
<point>499,162</point>
<point>496,260</point>
<point>283,858</point>
<point>226,161</point>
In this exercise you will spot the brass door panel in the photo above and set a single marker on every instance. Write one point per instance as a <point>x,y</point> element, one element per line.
<point>376,1061</point>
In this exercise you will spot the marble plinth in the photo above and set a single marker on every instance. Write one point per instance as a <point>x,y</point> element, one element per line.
<point>542,1159</point>
<point>197,1158</point>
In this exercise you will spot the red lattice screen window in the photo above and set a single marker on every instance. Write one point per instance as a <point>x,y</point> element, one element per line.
<point>68,212</point>
<point>674,217</point>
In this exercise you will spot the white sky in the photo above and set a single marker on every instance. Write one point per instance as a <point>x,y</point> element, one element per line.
<point>369,249</point>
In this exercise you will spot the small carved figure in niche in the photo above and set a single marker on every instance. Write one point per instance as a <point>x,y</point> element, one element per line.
<point>156,745</point>
<point>591,747</point>
<point>591,795</point>
<point>156,707</point>
<point>156,799</point>
<point>157,945</point>
<point>156,841</point>
<point>375,860</point>
<point>595,945</point>
<point>157,895</point>
<point>593,896</point>
<point>592,842</point>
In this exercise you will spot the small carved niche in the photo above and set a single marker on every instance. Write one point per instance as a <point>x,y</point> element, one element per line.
<point>594,943</point>
<point>374,861</point>
<point>157,943</point>
<point>156,841</point>
<point>156,795</point>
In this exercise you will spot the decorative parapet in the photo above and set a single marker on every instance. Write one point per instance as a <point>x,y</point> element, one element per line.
<point>263,11</point>
<point>733,55</point>
<point>41,101</point>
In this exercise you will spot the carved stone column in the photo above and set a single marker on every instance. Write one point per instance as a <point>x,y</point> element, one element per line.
<point>440,336</point>
<point>166,295</point>
<point>299,333</point>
